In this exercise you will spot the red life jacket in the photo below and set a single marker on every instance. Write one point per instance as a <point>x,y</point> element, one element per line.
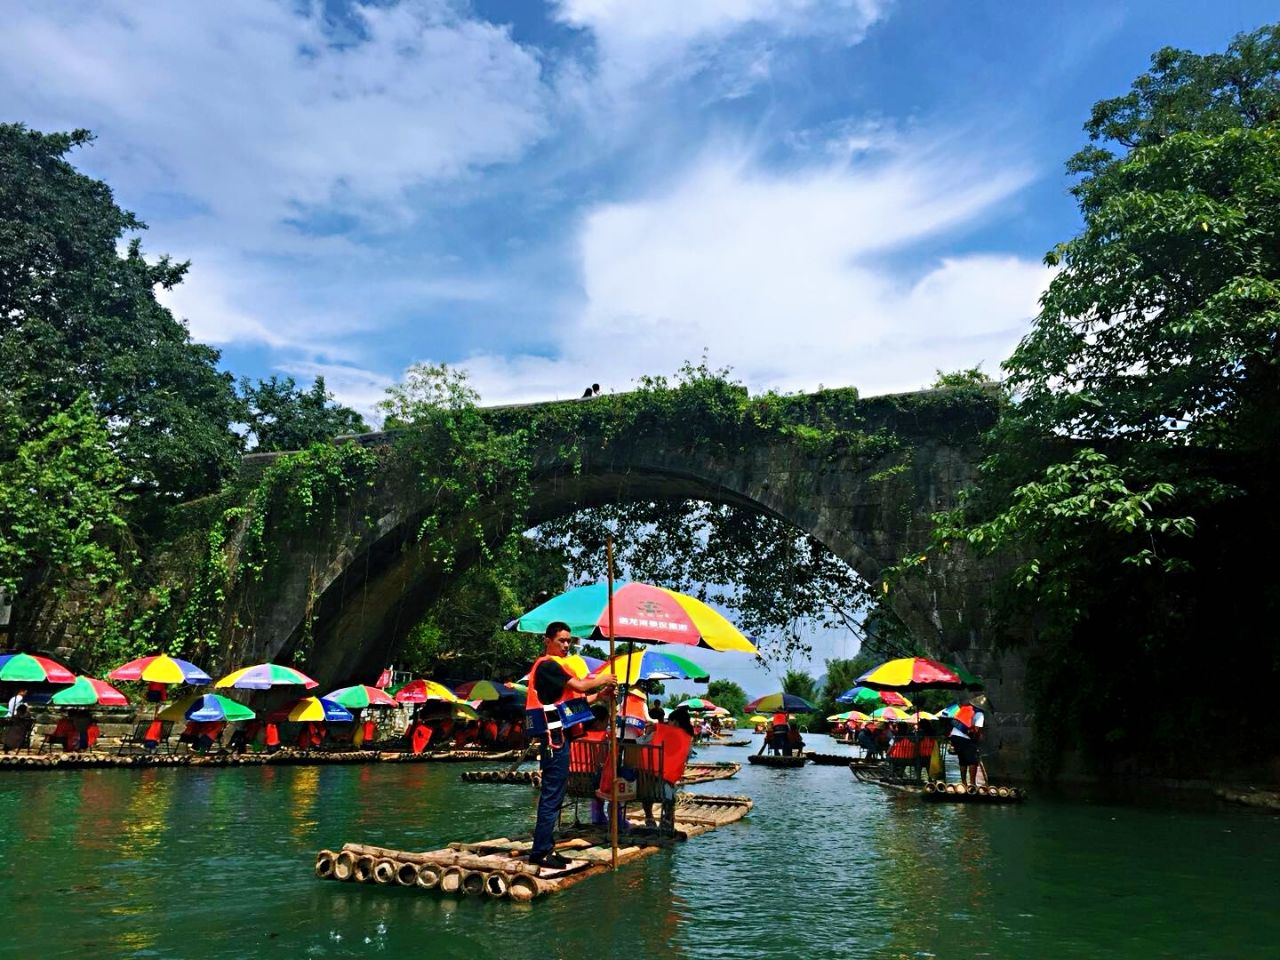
<point>903,748</point>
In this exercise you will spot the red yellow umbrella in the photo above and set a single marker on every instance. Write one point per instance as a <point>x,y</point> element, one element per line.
<point>918,673</point>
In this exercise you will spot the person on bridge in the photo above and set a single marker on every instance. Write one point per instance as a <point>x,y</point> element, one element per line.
<point>556,711</point>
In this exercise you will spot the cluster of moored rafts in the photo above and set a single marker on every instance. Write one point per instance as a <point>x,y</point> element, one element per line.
<point>494,868</point>
<point>286,757</point>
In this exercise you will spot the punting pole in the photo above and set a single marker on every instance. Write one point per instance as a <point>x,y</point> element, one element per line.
<point>613,721</point>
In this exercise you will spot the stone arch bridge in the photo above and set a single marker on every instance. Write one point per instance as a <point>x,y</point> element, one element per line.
<point>363,583</point>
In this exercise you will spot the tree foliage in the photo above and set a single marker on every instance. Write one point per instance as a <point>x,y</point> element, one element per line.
<point>282,416</point>
<point>1145,401</point>
<point>79,316</point>
<point>62,505</point>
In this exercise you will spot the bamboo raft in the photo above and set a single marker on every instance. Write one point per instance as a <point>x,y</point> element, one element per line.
<point>734,743</point>
<point>831,759</point>
<point>495,868</point>
<point>940,791</point>
<point>693,773</point>
<point>771,760</point>
<point>705,772</point>
<point>286,757</point>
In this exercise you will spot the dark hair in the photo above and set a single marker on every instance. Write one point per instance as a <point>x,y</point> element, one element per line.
<point>679,717</point>
<point>554,627</point>
<point>657,713</point>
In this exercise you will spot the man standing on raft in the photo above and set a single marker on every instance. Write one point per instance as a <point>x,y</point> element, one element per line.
<point>556,710</point>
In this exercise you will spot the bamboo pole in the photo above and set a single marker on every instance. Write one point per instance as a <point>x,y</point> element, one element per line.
<point>613,720</point>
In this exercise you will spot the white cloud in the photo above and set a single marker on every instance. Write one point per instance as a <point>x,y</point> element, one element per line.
<point>251,108</point>
<point>635,40</point>
<point>794,280</point>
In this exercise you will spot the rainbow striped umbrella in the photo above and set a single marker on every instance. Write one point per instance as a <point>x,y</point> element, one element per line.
<point>361,697</point>
<point>206,708</point>
<point>866,699</point>
<point>420,691</point>
<point>918,673</point>
<point>264,676</point>
<point>87,691</point>
<point>697,704</point>
<point>28,668</point>
<point>490,691</point>
<point>316,710</point>
<point>640,612</point>
<point>160,668</point>
<point>892,715</point>
<point>856,716</point>
<point>656,664</point>
<point>781,703</point>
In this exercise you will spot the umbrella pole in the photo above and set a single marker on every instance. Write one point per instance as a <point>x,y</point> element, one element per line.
<point>613,722</point>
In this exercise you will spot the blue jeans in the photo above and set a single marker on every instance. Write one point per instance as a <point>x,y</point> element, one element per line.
<point>555,778</point>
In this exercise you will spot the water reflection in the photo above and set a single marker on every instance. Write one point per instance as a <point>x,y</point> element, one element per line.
<point>166,862</point>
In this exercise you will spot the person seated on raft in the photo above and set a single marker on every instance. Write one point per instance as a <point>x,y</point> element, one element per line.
<point>88,730</point>
<point>311,735</point>
<point>675,735</point>
<point>902,753</point>
<point>65,733</point>
<point>18,733</point>
<point>584,753</point>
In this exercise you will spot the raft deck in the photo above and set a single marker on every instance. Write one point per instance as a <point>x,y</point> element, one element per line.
<point>496,868</point>
<point>773,760</point>
<point>287,757</point>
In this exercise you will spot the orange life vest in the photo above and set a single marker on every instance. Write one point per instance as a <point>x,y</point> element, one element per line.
<point>568,711</point>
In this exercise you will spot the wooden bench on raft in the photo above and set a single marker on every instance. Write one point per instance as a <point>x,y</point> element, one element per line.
<point>587,758</point>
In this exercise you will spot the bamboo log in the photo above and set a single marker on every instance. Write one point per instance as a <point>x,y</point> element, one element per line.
<point>524,888</point>
<point>344,865</point>
<point>363,870</point>
<point>445,858</point>
<point>406,874</point>
<point>324,864</point>
<point>384,871</point>
<point>971,790</point>
<point>1002,792</point>
<point>497,884</point>
<point>450,879</point>
<point>473,882</point>
<point>930,788</point>
<point>428,877</point>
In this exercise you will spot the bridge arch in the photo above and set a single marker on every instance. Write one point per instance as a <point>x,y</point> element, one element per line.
<point>359,589</point>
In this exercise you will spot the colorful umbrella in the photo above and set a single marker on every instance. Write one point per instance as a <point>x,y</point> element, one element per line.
<point>316,710</point>
<point>264,676</point>
<point>87,691</point>
<point>28,668</point>
<point>963,712</point>
<point>160,668</point>
<point>420,691</point>
<point>696,704</point>
<point>488,690</point>
<point>640,612</point>
<point>892,715</point>
<point>360,697</point>
<point>758,718</point>
<point>856,716</point>
<point>206,708</point>
<point>866,699</point>
<point>781,703</point>
<point>656,664</point>
<point>918,673</point>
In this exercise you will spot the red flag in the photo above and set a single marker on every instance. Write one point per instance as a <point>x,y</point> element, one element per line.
<point>384,679</point>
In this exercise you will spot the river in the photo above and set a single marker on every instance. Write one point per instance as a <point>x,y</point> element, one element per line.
<point>216,863</point>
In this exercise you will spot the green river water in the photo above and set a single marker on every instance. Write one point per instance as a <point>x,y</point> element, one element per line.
<point>201,864</point>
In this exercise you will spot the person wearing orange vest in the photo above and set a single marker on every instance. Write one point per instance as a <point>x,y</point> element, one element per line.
<point>552,682</point>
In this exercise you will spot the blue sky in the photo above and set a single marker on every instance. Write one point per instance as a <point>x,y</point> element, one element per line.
<point>837,192</point>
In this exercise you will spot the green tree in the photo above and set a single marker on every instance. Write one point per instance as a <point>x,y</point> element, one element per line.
<point>62,525</point>
<point>281,416</point>
<point>727,694</point>
<point>1143,425</point>
<point>79,316</point>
